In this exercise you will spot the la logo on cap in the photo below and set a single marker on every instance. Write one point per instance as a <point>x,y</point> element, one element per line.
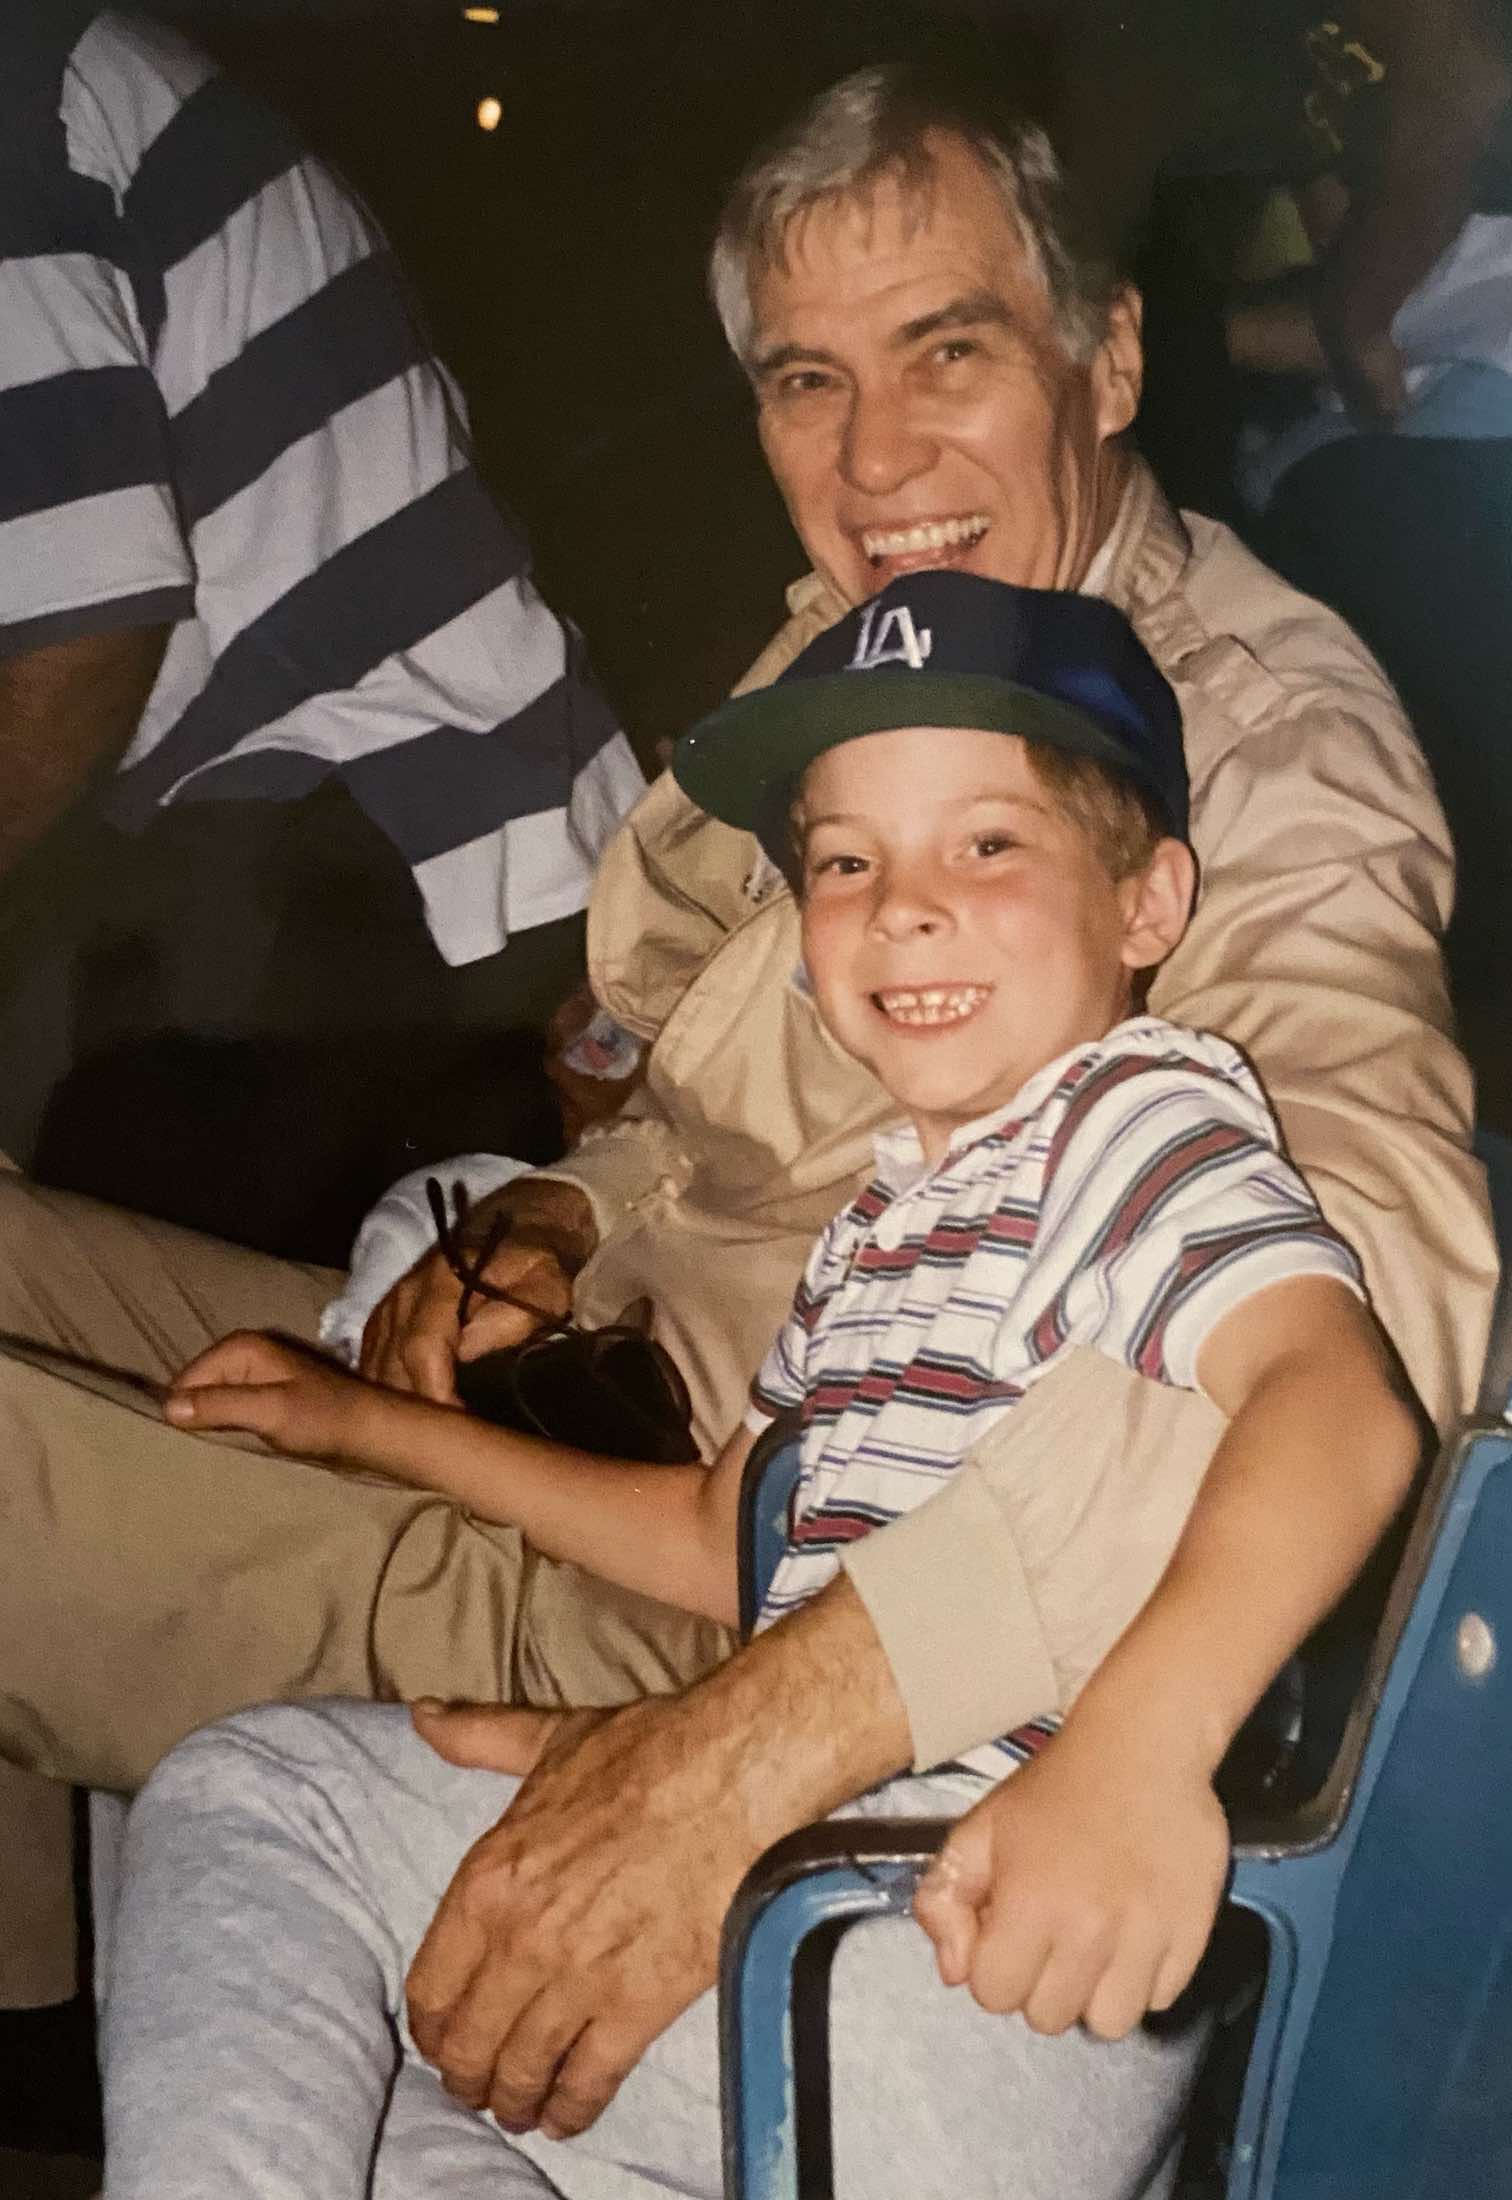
<point>890,638</point>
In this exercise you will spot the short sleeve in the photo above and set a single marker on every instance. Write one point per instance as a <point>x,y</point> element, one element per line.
<point>783,1380</point>
<point>89,530</point>
<point>1170,1205</point>
<point>778,1386</point>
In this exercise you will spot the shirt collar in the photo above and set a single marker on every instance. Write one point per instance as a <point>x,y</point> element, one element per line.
<point>900,1164</point>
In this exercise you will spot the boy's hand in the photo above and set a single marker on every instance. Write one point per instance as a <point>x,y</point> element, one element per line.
<point>287,1393</point>
<point>1083,1889</point>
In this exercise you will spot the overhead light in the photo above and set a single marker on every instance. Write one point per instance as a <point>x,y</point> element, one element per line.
<point>480,15</point>
<point>490,113</point>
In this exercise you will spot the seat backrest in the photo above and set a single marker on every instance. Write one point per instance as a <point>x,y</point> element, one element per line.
<point>1495,1155</point>
<point>1383,2060</point>
<point>766,1494</point>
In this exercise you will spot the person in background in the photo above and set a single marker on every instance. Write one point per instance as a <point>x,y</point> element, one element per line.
<point>1378,456</point>
<point>302,782</point>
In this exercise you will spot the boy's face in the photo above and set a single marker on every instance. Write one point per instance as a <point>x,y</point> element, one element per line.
<point>960,930</point>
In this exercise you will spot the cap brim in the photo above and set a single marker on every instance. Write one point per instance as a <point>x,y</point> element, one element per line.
<point>746,757</point>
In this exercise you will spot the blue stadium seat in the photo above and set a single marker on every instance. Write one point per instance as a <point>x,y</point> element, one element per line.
<point>1381,2066</point>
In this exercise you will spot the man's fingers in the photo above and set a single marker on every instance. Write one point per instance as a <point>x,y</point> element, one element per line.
<point>493,1737</point>
<point>601,2059</point>
<point>494,1327</point>
<point>455,1945</point>
<point>525,2069</point>
<point>376,1349</point>
<point>428,1361</point>
<point>502,2003</point>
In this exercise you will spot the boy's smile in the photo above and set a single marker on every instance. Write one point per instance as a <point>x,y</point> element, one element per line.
<point>960,929</point>
<point>932,1007</point>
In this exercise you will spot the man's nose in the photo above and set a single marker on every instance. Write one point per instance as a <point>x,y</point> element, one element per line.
<point>883,446</point>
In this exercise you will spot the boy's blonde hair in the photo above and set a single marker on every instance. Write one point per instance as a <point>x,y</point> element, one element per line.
<point>1118,817</point>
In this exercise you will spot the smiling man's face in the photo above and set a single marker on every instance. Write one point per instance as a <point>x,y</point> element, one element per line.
<point>917,403</point>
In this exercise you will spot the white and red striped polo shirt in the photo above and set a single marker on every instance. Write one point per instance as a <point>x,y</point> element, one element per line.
<point>1126,1199</point>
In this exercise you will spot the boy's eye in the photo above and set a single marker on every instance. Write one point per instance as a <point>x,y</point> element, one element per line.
<point>993,844</point>
<point>838,866</point>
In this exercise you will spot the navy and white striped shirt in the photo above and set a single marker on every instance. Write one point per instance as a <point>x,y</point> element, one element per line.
<point>1127,1198</point>
<point>217,411</point>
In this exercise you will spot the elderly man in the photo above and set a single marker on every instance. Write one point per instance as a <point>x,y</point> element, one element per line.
<point>944,375</point>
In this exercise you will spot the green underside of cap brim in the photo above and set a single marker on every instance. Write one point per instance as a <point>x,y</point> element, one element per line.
<point>738,762</point>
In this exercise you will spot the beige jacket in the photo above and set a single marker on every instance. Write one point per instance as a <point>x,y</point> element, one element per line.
<point>1326,882</point>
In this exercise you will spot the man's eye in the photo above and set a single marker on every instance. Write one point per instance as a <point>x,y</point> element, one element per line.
<point>956,348</point>
<point>804,382</point>
<point>993,844</point>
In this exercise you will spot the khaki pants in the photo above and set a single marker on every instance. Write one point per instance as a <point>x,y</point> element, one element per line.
<point>151,1580</point>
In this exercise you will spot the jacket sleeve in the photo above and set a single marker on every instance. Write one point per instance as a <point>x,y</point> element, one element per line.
<point>1327,880</point>
<point>997,1599</point>
<point>619,1163</point>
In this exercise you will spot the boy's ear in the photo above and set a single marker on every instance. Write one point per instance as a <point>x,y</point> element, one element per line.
<point>1157,904</point>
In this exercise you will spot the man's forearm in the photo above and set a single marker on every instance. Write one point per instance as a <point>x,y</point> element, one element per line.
<point>804,1718</point>
<point>67,712</point>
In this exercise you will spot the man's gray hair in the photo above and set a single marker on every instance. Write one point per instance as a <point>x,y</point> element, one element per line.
<point>875,123</point>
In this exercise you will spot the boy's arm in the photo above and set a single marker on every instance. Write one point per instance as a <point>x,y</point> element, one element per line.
<point>668,1532</point>
<point>1085,1887</point>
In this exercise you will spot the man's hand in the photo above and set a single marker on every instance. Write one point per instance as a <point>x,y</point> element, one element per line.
<point>588,1918</point>
<point>287,1393</point>
<point>413,1339</point>
<point>1082,1890</point>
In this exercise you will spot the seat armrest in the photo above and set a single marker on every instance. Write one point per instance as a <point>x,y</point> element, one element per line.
<point>822,1878</point>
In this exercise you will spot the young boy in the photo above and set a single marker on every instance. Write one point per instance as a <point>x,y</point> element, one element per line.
<point>980,795</point>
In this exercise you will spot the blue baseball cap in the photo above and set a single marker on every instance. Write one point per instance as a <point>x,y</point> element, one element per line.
<point>939,648</point>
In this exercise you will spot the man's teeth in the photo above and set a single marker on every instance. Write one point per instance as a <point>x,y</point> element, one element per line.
<point>934,1004</point>
<point>932,534</point>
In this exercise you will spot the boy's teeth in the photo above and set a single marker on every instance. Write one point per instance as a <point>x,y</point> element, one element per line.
<point>934,534</point>
<point>934,1004</point>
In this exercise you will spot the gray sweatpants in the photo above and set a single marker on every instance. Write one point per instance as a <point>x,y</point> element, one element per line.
<point>281,1869</point>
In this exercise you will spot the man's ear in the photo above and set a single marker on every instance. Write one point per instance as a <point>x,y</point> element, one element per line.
<point>1157,904</point>
<point>1118,365</point>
